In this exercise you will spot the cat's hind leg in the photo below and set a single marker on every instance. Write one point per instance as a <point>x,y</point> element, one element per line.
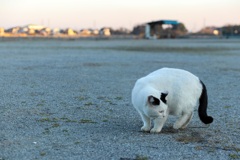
<point>146,123</point>
<point>187,122</point>
<point>183,121</point>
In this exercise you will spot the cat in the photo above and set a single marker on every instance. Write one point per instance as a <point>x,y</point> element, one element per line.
<point>169,91</point>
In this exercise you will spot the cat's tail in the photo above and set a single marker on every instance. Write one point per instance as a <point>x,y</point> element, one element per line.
<point>202,109</point>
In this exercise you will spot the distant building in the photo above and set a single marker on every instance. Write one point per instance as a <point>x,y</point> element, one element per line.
<point>70,32</point>
<point>105,32</point>
<point>85,32</point>
<point>155,30</point>
<point>95,31</point>
<point>23,30</point>
<point>2,31</point>
<point>13,30</point>
<point>55,31</point>
<point>30,29</point>
<point>34,27</point>
<point>45,31</point>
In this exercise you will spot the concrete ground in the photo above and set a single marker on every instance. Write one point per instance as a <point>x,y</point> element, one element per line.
<point>71,99</point>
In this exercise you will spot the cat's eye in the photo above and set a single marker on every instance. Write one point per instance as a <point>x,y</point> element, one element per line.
<point>161,111</point>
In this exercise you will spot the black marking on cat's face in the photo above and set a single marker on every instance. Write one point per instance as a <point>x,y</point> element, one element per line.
<point>153,101</point>
<point>163,97</point>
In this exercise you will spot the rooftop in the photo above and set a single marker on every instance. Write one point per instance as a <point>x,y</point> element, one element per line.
<point>172,22</point>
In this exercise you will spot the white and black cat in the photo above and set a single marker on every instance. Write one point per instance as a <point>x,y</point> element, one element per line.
<point>169,91</point>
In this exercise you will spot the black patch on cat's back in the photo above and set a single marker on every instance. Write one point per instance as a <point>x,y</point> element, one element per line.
<point>163,97</point>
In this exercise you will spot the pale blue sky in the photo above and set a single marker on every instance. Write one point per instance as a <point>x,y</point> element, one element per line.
<point>79,14</point>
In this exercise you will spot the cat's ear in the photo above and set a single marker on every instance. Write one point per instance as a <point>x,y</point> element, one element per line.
<point>153,101</point>
<point>163,97</point>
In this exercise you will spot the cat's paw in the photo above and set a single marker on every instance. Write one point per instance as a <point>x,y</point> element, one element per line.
<point>145,129</point>
<point>155,130</point>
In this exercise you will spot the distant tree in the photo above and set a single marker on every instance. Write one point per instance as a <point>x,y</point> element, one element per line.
<point>139,30</point>
<point>180,28</point>
<point>120,31</point>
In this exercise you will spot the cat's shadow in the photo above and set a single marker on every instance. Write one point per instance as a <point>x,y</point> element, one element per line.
<point>169,130</point>
<point>166,130</point>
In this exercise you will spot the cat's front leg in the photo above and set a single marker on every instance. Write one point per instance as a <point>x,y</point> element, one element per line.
<point>146,123</point>
<point>158,124</point>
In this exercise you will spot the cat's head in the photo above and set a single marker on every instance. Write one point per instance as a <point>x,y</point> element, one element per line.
<point>157,106</point>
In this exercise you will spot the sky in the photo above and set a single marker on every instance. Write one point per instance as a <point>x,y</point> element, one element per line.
<point>95,14</point>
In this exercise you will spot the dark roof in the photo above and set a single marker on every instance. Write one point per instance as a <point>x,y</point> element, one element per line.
<point>172,22</point>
